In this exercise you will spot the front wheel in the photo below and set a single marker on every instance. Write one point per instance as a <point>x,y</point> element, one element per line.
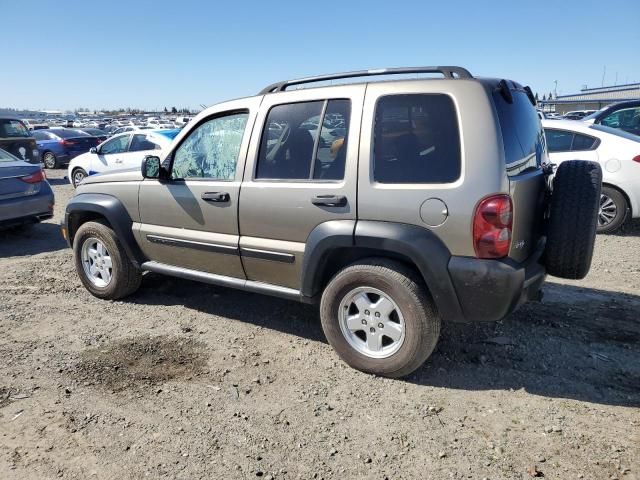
<point>102,264</point>
<point>77,176</point>
<point>612,211</point>
<point>379,318</point>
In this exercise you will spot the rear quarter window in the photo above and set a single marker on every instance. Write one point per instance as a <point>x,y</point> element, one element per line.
<point>521,129</point>
<point>416,139</point>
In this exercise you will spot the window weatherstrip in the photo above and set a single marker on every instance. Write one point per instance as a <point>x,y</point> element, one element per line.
<point>316,142</point>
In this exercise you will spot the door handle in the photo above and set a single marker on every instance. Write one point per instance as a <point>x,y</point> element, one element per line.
<point>329,200</point>
<point>215,196</point>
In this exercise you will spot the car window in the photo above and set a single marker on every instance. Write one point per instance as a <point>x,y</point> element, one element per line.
<point>13,128</point>
<point>416,139</point>
<point>211,150</point>
<point>520,126</point>
<point>626,118</point>
<point>140,143</point>
<point>40,135</point>
<point>115,145</point>
<point>331,152</point>
<point>558,140</point>
<point>583,142</point>
<point>288,141</point>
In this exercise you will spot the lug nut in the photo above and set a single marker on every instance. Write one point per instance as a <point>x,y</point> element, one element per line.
<point>378,314</point>
<point>366,312</point>
<point>380,325</point>
<point>364,322</point>
<point>372,330</point>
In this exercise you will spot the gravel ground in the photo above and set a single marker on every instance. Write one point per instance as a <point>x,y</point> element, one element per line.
<point>190,381</point>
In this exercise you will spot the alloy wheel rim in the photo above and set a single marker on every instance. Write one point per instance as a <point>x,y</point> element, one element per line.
<point>49,160</point>
<point>96,262</point>
<point>607,211</point>
<point>371,322</point>
<point>78,177</point>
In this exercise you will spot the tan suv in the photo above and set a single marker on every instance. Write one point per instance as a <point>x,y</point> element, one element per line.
<point>394,204</point>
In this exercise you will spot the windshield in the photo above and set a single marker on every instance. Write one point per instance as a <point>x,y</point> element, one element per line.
<point>617,132</point>
<point>13,129</point>
<point>7,157</point>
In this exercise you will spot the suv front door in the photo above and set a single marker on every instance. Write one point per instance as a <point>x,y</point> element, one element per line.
<point>301,172</point>
<point>190,220</point>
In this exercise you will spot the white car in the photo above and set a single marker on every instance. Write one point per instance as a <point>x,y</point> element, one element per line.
<point>122,151</point>
<point>617,152</point>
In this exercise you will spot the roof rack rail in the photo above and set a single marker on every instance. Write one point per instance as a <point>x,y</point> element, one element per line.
<point>448,72</point>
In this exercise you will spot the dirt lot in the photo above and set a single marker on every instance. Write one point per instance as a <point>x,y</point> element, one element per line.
<point>191,381</point>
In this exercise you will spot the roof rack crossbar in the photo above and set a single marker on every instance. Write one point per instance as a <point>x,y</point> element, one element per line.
<point>448,72</point>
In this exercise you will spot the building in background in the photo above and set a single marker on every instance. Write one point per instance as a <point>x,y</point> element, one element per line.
<point>592,98</point>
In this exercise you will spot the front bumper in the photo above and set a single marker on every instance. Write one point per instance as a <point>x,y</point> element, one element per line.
<point>489,290</point>
<point>35,208</point>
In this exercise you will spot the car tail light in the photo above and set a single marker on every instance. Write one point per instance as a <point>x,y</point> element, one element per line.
<point>492,224</point>
<point>34,177</point>
<point>67,143</point>
<point>636,158</point>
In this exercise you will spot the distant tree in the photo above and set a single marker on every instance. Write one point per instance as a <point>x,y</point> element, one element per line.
<point>165,110</point>
<point>174,110</point>
<point>536,97</point>
<point>550,95</point>
<point>544,97</point>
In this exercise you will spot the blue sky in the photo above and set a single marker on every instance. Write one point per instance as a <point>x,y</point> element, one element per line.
<point>59,55</point>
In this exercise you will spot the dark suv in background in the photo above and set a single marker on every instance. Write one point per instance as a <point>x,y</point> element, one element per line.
<point>622,115</point>
<point>16,139</point>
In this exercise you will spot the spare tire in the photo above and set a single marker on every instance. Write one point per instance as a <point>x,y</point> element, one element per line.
<point>573,218</point>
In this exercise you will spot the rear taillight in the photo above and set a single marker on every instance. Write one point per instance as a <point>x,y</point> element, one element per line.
<point>67,143</point>
<point>34,177</point>
<point>492,224</point>
<point>636,158</point>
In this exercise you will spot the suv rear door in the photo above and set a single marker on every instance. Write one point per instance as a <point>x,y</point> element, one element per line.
<point>191,219</point>
<point>301,172</point>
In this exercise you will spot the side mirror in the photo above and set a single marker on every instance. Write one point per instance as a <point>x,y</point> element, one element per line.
<point>93,150</point>
<point>150,166</point>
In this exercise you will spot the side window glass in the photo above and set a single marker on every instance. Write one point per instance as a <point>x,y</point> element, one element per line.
<point>416,139</point>
<point>582,142</point>
<point>141,143</point>
<point>288,141</point>
<point>332,144</point>
<point>558,140</point>
<point>115,145</point>
<point>212,149</point>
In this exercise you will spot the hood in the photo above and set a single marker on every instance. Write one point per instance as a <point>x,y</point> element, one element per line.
<point>128,175</point>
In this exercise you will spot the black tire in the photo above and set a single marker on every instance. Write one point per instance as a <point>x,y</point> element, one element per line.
<point>573,218</point>
<point>49,159</point>
<point>125,277</point>
<point>612,201</point>
<point>77,172</point>
<point>406,289</point>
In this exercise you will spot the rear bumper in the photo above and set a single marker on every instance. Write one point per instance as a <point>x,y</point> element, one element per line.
<point>30,209</point>
<point>489,290</point>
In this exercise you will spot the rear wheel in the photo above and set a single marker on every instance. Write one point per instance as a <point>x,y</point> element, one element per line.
<point>77,176</point>
<point>613,210</point>
<point>379,318</point>
<point>49,160</point>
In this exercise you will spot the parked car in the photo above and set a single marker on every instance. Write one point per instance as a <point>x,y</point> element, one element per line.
<point>125,150</point>
<point>58,146</point>
<point>25,194</point>
<point>622,115</point>
<point>577,114</point>
<point>617,152</point>
<point>16,139</point>
<point>101,135</point>
<point>428,207</point>
<point>130,128</point>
